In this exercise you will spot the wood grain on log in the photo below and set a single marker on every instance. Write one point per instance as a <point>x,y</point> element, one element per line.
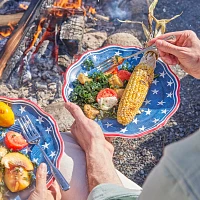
<point>18,33</point>
<point>13,18</point>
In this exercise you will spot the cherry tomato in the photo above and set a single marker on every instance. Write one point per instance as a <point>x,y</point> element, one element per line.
<point>123,75</point>
<point>15,141</point>
<point>107,92</point>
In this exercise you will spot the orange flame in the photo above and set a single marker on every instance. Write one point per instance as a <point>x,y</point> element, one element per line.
<point>23,6</point>
<point>71,4</point>
<point>92,10</point>
<point>39,28</point>
<point>7,32</point>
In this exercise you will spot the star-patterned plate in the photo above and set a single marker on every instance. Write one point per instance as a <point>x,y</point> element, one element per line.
<point>50,140</point>
<point>161,103</point>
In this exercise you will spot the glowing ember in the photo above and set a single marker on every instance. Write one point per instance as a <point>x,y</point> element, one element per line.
<point>71,4</point>
<point>23,6</point>
<point>7,32</point>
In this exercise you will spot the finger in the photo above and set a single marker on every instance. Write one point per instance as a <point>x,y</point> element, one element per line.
<point>176,34</point>
<point>75,111</point>
<point>55,190</point>
<point>168,48</point>
<point>170,60</point>
<point>41,177</point>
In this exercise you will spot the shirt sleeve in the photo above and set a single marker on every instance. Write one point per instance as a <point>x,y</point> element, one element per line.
<point>113,192</point>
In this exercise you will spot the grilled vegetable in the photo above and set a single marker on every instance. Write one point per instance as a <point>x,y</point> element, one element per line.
<point>119,93</point>
<point>115,81</point>
<point>17,179</point>
<point>7,117</point>
<point>137,89</point>
<point>90,112</point>
<point>15,141</point>
<point>82,78</point>
<point>124,75</point>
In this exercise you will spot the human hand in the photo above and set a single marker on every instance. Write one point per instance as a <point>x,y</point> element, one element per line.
<point>87,132</point>
<point>41,192</point>
<point>184,50</point>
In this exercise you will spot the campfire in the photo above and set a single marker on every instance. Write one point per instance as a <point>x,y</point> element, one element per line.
<point>43,37</point>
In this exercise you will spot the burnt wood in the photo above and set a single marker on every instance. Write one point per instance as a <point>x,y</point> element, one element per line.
<point>13,18</point>
<point>29,16</point>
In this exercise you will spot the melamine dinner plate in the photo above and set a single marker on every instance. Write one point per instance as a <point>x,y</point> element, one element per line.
<point>161,103</point>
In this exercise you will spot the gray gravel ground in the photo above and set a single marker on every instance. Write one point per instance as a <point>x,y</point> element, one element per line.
<point>137,157</point>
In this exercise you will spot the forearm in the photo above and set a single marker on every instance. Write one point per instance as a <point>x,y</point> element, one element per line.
<point>100,168</point>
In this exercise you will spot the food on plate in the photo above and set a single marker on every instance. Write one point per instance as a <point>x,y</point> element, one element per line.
<point>115,81</point>
<point>7,117</point>
<point>119,92</point>
<point>137,88</point>
<point>82,78</point>
<point>15,141</point>
<point>16,178</point>
<point>17,171</point>
<point>117,95</point>
<point>17,159</point>
<point>90,111</point>
<point>124,75</point>
<point>3,151</point>
<point>107,99</point>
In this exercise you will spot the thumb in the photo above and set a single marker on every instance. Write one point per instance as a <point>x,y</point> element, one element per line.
<point>41,178</point>
<point>168,48</point>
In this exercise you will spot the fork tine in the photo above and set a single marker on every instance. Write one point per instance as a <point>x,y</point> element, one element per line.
<point>31,127</point>
<point>23,128</point>
<point>108,61</point>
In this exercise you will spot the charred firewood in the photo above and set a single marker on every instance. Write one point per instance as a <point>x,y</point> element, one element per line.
<point>71,33</point>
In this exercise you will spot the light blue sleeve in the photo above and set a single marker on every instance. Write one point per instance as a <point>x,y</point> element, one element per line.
<point>113,192</point>
<point>177,176</point>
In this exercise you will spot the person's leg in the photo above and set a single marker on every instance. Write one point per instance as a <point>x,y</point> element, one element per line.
<point>73,168</point>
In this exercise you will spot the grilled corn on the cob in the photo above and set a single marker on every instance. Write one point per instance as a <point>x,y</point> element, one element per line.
<point>137,88</point>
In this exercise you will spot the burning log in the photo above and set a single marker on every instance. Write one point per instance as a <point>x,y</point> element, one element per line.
<point>13,18</point>
<point>17,36</point>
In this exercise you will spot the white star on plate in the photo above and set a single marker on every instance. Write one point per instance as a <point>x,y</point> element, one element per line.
<point>136,57</point>
<point>135,121</point>
<point>35,160</point>
<point>108,125</point>
<point>147,102</point>
<point>169,94</point>
<point>142,128</point>
<point>46,145</point>
<point>53,153</point>
<point>117,53</point>
<point>22,109</point>
<point>155,81</point>
<point>28,149</point>
<point>155,91</point>
<point>161,103</point>
<point>48,129</point>
<point>148,112</point>
<point>86,74</point>
<point>164,111</point>
<point>3,134</point>
<point>95,58</point>
<point>155,120</point>
<point>170,83</point>
<point>70,90</point>
<point>40,120</point>
<point>162,74</point>
<point>124,130</point>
